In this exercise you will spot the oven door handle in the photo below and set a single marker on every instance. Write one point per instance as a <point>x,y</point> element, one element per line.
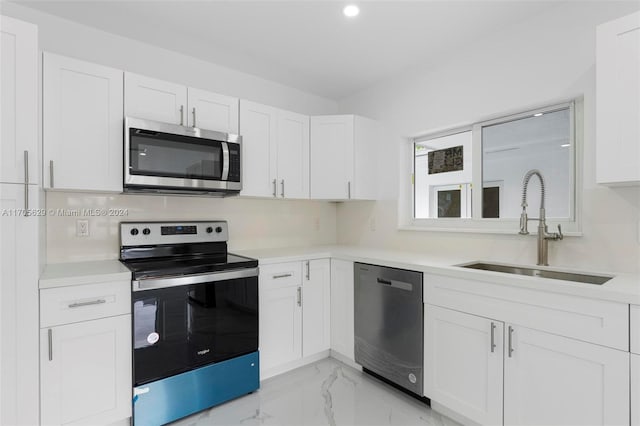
<point>153,283</point>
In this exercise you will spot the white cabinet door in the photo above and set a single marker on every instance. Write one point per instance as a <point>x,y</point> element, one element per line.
<point>293,155</point>
<point>332,150</point>
<point>258,127</point>
<point>18,306</point>
<point>86,372</point>
<point>635,390</point>
<point>342,310</point>
<point>554,380</point>
<point>618,101</point>
<point>316,310</point>
<point>280,326</point>
<point>82,134</point>
<point>153,99</point>
<point>18,101</point>
<point>212,111</point>
<point>367,136</point>
<point>634,328</point>
<point>463,363</point>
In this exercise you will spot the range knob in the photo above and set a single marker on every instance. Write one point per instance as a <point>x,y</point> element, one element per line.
<point>209,229</point>
<point>146,231</point>
<point>134,231</point>
<point>218,229</point>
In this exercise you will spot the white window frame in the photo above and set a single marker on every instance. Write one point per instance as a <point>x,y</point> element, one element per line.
<point>571,226</point>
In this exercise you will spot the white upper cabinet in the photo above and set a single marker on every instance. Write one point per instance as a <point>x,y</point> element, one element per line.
<point>212,111</point>
<point>275,152</point>
<point>156,100</point>
<point>82,130</point>
<point>19,102</point>
<point>618,101</point>
<point>343,157</point>
<point>159,100</point>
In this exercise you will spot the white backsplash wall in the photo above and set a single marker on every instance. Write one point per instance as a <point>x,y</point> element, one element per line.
<point>253,223</point>
<point>546,59</point>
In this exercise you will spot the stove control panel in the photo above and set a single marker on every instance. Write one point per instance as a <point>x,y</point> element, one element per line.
<point>147,233</point>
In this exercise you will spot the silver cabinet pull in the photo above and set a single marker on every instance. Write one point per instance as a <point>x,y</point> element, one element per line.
<point>308,276</point>
<point>299,296</point>
<point>349,190</point>
<point>50,173</point>
<point>50,336</point>
<point>282,188</point>
<point>26,183</point>
<point>274,187</point>
<point>92,302</point>
<point>182,115</point>
<point>493,337</point>
<point>194,116</point>
<point>275,277</point>
<point>510,341</point>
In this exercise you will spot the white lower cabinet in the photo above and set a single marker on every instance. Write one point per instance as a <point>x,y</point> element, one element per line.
<point>554,380</point>
<point>342,311</point>
<point>463,363</point>
<point>294,313</point>
<point>86,372</point>
<point>492,373</point>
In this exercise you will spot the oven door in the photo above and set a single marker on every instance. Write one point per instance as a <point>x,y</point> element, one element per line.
<point>162,155</point>
<point>178,328</point>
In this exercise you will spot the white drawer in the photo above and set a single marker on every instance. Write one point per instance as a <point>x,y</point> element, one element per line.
<point>634,324</point>
<point>64,305</point>
<point>281,275</point>
<point>590,320</point>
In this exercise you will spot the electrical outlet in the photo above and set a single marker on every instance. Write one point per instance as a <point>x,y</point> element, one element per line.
<point>82,228</point>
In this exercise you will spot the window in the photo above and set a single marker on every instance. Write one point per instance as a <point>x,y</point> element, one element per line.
<point>494,155</point>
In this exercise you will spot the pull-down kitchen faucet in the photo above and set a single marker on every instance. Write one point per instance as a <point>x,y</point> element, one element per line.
<point>543,235</point>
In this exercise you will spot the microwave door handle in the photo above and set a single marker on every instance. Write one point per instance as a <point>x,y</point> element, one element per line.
<point>225,161</point>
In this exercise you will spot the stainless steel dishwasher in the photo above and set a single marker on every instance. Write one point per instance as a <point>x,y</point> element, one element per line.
<point>389,325</point>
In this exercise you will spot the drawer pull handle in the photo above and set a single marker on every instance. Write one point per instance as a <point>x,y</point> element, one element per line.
<point>382,281</point>
<point>299,296</point>
<point>275,277</point>
<point>92,302</point>
<point>510,341</point>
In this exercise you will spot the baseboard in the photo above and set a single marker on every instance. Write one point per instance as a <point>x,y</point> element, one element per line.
<point>435,406</point>
<point>345,360</point>
<point>274,371</point>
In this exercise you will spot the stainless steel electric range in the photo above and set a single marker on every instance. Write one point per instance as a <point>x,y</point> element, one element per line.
<point>195,318</point>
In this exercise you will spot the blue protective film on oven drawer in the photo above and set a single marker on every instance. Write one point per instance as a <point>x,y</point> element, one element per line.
<point>169,399</point>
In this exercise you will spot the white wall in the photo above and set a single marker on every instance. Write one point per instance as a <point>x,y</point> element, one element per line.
<point>549,58</point>
<point>253,223</point>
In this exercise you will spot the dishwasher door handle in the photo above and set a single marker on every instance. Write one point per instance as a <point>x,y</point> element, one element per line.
<point>396,284</point>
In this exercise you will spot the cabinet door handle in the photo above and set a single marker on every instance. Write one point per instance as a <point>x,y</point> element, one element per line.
<point>299,296</point>
<point>308,275</point>
<point>510,338</point>
<point>50,173</point>
<point>182,115</point>
<point>282,188</point>
<point>275,277</point>
<point>349,190</point>
<point>50,336</point>
<point>194,116</point>
<point>274,187</point>
<point>493,337</point>
<point>26,183</point>
<point>92,302</point>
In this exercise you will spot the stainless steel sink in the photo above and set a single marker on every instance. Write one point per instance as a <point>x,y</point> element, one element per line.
<point>542,273</point>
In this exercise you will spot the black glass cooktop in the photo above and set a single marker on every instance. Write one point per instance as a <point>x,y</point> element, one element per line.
<point>187,265</point>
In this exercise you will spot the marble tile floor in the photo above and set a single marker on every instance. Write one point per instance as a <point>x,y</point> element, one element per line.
<point>327,392</point>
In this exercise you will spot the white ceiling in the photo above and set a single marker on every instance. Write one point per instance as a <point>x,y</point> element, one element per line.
<point>305,44</point>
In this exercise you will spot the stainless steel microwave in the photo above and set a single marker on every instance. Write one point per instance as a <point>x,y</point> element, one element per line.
<point>168,158</point>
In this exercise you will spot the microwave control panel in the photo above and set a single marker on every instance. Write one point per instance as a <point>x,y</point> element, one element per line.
<point>234,162</point>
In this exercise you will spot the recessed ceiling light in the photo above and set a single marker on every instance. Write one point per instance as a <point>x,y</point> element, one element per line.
<point>351,10</point>
<point>538,114</point>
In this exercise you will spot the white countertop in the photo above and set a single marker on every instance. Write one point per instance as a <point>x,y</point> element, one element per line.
<point>79,273</point>
<point>624,287</point>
